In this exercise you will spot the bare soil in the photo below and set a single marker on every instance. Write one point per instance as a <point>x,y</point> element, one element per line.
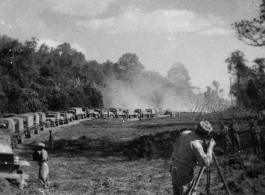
<point>114,157</point>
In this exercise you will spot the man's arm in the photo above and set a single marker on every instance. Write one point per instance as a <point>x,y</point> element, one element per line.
<point>203,159</point>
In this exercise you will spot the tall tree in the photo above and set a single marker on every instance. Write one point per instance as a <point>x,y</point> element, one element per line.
<point>237,67</point>
<point>179,75</point>
<point>252,32</point>
<point>216,84</point>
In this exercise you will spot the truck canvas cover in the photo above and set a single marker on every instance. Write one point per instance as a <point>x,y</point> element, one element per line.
<point>19,123</point>
<point>42,116</point>
<point>28,118</point>
<point>76,110</point>
<point>36,117</point>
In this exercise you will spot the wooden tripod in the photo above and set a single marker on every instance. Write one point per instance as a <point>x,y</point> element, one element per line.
<point>194,189</point>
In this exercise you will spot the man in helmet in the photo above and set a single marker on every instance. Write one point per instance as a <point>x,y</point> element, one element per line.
<point>43,166</point>
<point>188,152</point>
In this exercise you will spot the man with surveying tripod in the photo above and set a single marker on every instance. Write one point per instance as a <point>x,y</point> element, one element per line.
<point>188,152</point>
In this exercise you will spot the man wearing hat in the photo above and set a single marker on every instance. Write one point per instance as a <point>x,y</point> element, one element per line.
<point>188,152</point>
<point>43,165</point>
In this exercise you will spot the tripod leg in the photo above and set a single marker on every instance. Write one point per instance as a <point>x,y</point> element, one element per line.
<point>221,174</point>
<point>208,180</point>
<point>194,189</point>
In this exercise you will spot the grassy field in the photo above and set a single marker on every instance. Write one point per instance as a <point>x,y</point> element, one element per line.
<point>88,158</point>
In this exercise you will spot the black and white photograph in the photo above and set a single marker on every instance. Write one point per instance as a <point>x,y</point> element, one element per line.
<point>132,97</point>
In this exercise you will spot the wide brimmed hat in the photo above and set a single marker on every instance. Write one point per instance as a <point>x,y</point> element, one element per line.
<point>41,145</point>
<point>206,127</point>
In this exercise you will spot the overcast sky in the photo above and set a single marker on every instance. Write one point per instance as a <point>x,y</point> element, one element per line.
<point>196,33</point>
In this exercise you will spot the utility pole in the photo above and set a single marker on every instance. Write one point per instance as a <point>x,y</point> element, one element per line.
<point>230,89</point>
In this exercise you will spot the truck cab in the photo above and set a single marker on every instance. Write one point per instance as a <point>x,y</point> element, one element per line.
<point>77,112</point>
<point>9,163</point>
<point>52,119</point>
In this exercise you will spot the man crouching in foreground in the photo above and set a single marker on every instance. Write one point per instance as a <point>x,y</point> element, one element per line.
<point>188,152</point>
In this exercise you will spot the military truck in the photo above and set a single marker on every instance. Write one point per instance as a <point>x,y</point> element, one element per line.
<point>20,129</point>
<point>77,112</point>
<point>140,113</point>
<point>29,124</point>
<point>93,114</point>
<point>67,117</point>
<point>9,163</point>
<point>131,114</point>
<point>118,112</point>
<point>52,119</point>
<point>36,121</point>
<point>152,112</point>
<point>107,113</point>
<point>42,120</point>
<point>9,124</point>
<point>99,111</point>
<point>85,110</point>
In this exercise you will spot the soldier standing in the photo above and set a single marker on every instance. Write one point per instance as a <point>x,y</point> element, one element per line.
<point>255,131</point>
<point>43,166</point>
<point>234,129</point>
<point>225,137</point>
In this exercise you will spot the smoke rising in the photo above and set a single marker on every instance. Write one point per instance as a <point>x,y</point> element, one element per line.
<point>145,93</point>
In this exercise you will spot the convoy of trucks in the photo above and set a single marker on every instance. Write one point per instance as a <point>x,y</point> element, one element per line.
<point>14,128</point>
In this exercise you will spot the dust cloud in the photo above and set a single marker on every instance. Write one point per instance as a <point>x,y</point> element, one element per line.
<point>144,94</point>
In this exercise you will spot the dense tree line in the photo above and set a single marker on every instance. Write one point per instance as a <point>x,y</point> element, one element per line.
<point>41,78</point>
<point>38,77</point>
<point>249,83</point>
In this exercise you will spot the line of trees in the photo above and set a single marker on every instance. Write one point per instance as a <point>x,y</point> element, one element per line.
<point>249,83</point>
<point>41,78</point>
<point>37,77</point>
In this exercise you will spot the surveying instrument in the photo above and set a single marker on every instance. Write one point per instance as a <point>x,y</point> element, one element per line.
<point>208,173</point>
